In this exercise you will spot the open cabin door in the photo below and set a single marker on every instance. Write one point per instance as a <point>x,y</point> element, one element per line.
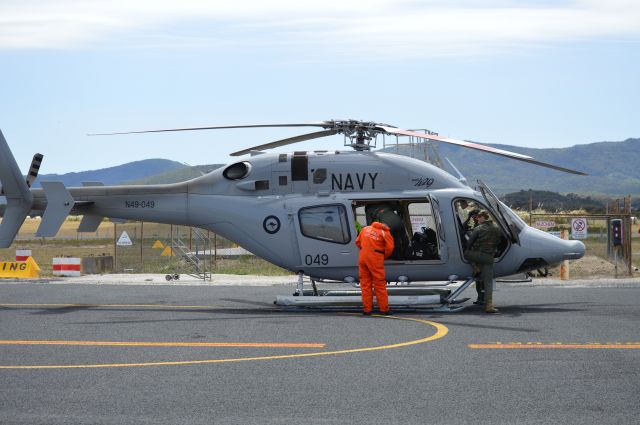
<point>415,224</point>
<point>436,212</point>
<point>500,213</point>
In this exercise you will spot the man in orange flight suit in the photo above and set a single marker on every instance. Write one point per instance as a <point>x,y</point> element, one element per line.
<point>376,244</point>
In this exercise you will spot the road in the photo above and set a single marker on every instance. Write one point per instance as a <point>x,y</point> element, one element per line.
<point>162,354</point>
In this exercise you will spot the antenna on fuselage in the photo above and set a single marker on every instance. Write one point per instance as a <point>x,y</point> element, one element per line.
<point>462,179</point>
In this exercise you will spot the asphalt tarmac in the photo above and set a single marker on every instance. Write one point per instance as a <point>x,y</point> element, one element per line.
<point>163,354</point>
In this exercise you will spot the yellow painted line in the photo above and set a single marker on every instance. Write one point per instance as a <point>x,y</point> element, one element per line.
<point>441,331</point>
<point>165,344</point>
<point>624,345</point>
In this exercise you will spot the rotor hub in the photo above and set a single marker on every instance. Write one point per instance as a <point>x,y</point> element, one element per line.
<point>359,135</point>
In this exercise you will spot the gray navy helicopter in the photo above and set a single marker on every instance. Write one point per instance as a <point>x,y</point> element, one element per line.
<point>301,211</point>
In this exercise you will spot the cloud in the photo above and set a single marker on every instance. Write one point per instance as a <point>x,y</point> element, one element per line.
<point>342,27</point>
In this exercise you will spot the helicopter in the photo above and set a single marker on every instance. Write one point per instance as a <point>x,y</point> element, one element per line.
<point>301,211</point>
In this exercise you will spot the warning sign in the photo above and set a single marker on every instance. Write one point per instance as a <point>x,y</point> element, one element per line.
<point>158,245</point>
<point>545,224</point>
<point>124,239</point>
<point>168,252</point>
<point>579,228</point>
<point>20,269</point>
<point>417,223</point>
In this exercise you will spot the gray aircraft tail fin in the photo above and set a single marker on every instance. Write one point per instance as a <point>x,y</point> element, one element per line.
<point>17,193</point>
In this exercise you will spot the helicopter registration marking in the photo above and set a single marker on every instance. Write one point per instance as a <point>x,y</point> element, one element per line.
<point>319,259</point>
<point>140,204</point>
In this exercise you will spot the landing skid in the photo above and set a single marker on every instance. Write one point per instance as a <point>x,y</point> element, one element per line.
<point>436,299</point>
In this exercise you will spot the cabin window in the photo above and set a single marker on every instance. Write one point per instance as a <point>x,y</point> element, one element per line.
<point>327,223</point>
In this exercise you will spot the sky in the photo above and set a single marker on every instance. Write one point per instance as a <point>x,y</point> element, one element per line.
<point>525,73</point>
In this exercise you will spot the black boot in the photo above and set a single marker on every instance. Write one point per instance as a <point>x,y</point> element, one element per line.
<point>480,291</point>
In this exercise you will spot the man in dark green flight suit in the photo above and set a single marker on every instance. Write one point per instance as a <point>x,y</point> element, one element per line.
<point>481,248</point>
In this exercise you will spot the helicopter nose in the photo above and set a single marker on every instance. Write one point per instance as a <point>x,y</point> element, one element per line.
<point>576,250</point>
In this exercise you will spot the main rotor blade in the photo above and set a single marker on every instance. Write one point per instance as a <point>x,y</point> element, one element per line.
<point>216,127</point>
<point>288,141</point>
<point>477,146</point>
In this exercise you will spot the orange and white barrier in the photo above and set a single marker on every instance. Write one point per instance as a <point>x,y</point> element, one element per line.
<point>66,266</point>
<point>22,254</point>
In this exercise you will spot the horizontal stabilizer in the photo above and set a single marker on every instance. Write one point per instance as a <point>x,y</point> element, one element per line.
<point>17,193</point>
<point>90,223</point>
<point>59,204</point>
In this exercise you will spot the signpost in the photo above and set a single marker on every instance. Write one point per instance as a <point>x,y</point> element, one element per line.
<point>579,228</point>
<point>124,239</point>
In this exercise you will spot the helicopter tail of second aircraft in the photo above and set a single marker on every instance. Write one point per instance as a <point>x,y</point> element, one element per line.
<point>17,193</point>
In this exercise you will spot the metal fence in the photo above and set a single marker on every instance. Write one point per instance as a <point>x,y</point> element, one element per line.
<point>595,231</point>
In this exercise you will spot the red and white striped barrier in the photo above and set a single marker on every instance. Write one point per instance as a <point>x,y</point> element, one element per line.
<point>66,266</point>
<point>22,254</point>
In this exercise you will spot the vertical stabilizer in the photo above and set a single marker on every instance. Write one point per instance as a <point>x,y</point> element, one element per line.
<point>16,191</point>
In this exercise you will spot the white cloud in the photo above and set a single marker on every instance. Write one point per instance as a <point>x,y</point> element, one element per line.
<point>346,27</point>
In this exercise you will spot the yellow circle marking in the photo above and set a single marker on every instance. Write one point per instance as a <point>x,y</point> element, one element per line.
<point>441,331</point>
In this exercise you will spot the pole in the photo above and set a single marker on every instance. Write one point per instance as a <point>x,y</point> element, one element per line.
<point>115,247</point>
<point>628,234</point>
<point>141,245</point>
<point>564,267</point>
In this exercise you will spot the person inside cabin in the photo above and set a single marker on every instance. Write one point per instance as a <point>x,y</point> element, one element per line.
<point>387,213</point>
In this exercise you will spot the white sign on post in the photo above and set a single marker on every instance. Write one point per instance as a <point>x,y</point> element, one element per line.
<point>124,239</point>
<point>579,228</point>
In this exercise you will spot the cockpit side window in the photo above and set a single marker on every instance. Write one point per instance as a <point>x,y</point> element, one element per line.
<point>464,210</point>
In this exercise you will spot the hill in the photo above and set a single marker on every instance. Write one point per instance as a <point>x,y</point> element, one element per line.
<point>551,201</point>
<point>114,175</point>
<point>178,175</point>
<point>612,167</point>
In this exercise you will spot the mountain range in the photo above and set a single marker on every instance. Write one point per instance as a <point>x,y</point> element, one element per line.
<point>115,175</point>
<point>612,167</point>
